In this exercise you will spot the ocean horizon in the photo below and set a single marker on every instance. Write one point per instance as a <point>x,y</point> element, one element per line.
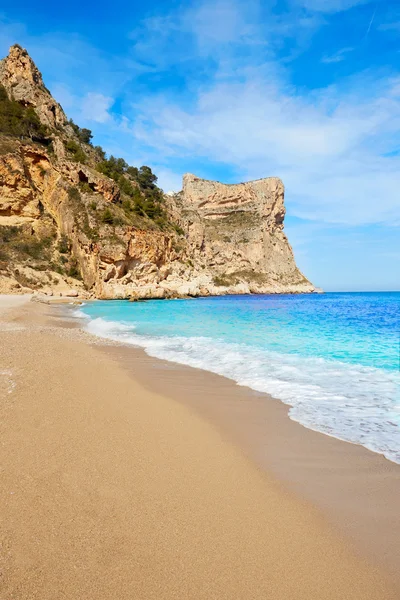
<point>333,358</point>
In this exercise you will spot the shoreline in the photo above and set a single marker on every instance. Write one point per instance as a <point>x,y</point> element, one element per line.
<point>119,490</point>
<point>354,488</point>
<point>342,389</point>
<point>348,482</point>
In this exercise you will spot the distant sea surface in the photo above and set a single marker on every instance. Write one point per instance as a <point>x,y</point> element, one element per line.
<point>333,358</point>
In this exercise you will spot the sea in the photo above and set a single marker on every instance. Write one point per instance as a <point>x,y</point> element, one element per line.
<point>333,358</point>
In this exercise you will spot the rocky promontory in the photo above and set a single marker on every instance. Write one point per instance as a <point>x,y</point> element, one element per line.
<point>70,217</point>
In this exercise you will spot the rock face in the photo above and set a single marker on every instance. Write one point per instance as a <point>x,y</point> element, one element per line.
<point>23,82</point>
<point>238,232</point>
<point>61,220</point>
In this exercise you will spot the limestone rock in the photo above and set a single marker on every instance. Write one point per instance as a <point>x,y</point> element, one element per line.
<point>215,238</point>
<point>23,81</point>
<point>237,232</point>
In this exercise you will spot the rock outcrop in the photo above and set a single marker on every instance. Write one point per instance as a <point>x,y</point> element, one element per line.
<point>237,232</point>
<point>23,82</point>
<point>64,225</point>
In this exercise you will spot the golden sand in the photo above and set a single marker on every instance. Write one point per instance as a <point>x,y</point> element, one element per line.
<point>111,491</point>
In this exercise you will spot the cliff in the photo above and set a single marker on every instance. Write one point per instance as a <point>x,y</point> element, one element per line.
<point>71,218</point>
<point>237,230</point>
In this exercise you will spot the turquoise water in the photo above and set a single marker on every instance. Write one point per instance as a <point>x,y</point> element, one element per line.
<point>333,358</point>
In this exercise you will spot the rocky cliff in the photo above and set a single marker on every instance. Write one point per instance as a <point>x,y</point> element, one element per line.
<point>237,230</point>
<point>70,217</point>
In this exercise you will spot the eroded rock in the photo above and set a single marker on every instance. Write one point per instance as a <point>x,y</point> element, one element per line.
<point>225,238</point>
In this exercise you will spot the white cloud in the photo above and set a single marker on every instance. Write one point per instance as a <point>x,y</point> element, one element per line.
<point>95,107</point>
<point>220,22</point>
<point>198,30</point>
<point>167,179</point>
<point>91,107</point>
<point>329,148</point>
<point>224,34</point>
<point>64,96</point>
<point>339,56</point>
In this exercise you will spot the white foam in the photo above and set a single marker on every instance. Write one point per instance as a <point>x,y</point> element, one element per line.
<point>109,329</point>
<point>352,402</point>
<point>78,313</point>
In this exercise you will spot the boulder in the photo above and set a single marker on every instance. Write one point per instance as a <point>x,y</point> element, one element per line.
<point>71,294</point>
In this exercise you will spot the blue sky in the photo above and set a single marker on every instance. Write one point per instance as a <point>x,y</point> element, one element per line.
<point>307,90</point>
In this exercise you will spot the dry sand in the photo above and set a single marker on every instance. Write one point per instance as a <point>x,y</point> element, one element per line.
<point>357,490</point>
<point>112,491</point>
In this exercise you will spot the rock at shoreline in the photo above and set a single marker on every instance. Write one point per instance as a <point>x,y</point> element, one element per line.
<point>68,228</point>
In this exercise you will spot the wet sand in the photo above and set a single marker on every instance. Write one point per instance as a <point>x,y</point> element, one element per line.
<point>116,486</point>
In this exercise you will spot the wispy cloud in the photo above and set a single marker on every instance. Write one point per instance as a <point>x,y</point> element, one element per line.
<point>391,26</point>
<point>221,35</point>
<point>334,147</point>
<point>235,90</point>
<point>90,107</point>
<point>330,6</point>
<point>339,56</point>
<point>371,21</point>
<point>328,147</point>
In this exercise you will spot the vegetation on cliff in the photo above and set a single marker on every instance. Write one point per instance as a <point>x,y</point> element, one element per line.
<point>26,247</point>
<point>139,192</point>
<point>37,254</point>
<point>69,212</point>
<point>20,121</point>
<point>138,188</point>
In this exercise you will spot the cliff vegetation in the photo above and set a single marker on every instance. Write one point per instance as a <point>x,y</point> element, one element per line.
<point>73,217</point>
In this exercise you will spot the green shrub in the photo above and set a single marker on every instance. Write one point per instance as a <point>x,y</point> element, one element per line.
<point>78,154</point>
<point>100,152</point>
<point>178,229</point>
<point>25,280</point>
<point>14,242</point>
<point>57,267</point>
<point>84,186</point>
<point>63,245</point>
<point>3,255</point>
<point>20,121</point>
<point>71,146</point>
<point>162,222</point>
<point>147,197</point>
<point>251,275</point>
<point>84,135</point>
<point>127,205</point>
<point>73,269</point>
<point>125,186</point>
<point>107,217</point>
<point>74,195</point>
<point>118,220</point>
<point>34,247</point>
<point>6,146</point>
<point>224,280</point>
<point>8,233</point>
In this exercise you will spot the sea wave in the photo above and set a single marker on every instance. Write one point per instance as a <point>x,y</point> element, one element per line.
<point>355,403</point>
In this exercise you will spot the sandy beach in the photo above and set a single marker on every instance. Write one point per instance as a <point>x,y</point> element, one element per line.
<point>357,490</point>
<point>113,485</point>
